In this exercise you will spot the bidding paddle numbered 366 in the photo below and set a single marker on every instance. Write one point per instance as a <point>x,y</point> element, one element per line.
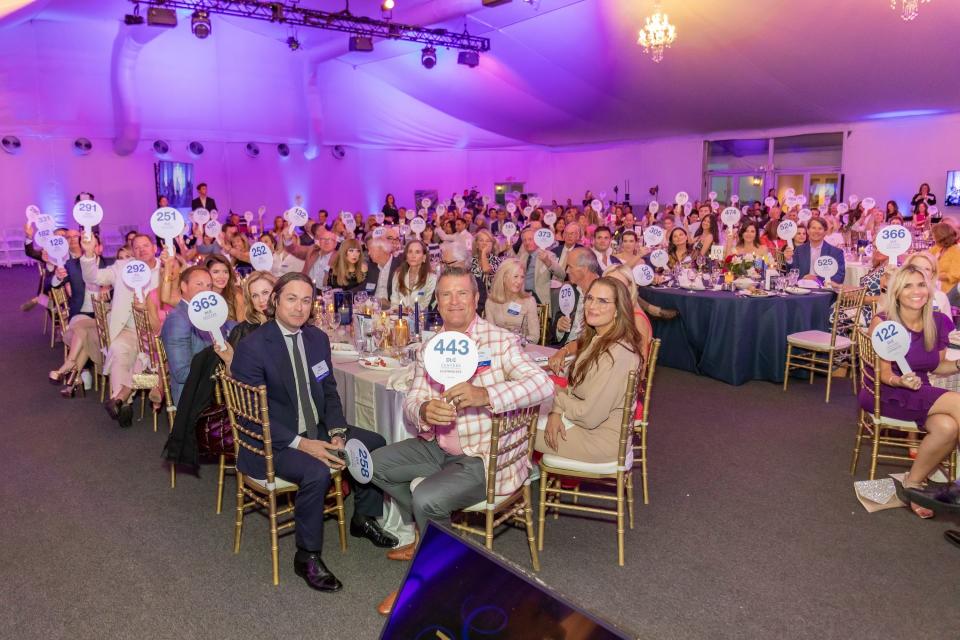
<point>892,342</point>
<point>893,241</point>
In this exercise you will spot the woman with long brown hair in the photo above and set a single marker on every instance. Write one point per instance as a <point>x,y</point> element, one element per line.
<point>584,423</point>
<point>414,281</point>
<point>225,283</point>
<point>348,270</point>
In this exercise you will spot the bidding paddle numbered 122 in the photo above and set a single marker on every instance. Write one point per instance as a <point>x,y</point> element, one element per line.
<point>891,341</point>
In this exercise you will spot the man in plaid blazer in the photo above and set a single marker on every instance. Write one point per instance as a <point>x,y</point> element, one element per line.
<point>454,425</point>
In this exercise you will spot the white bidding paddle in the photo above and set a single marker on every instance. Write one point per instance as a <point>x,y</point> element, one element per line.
<point>659,258</point>
<point>730,217</point>
<point>32,212</point>
<point>167,223</point>
<point>359,461</point>
<point>567,300</point>
<point>417,225</point>
<point>642,274</point>
<point>88,214</point>
<point>549,218</point>
<point>892,342</point>
<point>826,267</point>
<point>511,208</point>
<point>653,207</point>
<point>509,230</point>
<point>653,236</point>
<point>681,198</point>
<point>261,257</point>
<point>136,275</point>
<point>57,250</point>
<point>786,230</point>
<point>543,238</point>
<point>450,358</point>
<point>596,205</point>
<point>208,311</point>
<point>894,241</point>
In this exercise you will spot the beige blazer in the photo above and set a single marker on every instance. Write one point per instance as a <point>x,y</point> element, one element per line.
<point>498,313</point>
<point>595,407</point>
<point>542,273</point>
<point>121,305</point>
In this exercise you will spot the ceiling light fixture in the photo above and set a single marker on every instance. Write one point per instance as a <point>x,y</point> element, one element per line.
<point>909,9</point>
<point>200,24</point>
<point>658,34</point>
<point>428,57</point>
<point>293,43</point>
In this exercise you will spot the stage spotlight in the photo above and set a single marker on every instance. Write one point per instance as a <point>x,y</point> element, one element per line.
<point>200,24</point>
<point>293,43</point>
<point>387,5</point>
<point>468,58</point>
<point>428,57</point>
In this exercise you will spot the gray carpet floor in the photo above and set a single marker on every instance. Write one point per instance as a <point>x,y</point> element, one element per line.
<point>753,530</point>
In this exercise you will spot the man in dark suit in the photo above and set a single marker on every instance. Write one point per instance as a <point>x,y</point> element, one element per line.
<point>202,201</point>
<point>71,273</point>
<point>804,258</point>
<point>292,358</point>
<point>572,234</point>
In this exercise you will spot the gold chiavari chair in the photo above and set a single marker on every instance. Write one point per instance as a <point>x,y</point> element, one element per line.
<point>880,430</point>
<point>512,438</point>
<point>163,369</point>
<point>149,378</point>
<point>644,395</point>
<point>615,473</point>
<point>247,407</point>
<point>821,352</point>
<point>543,314</point>
<point>100,309</point>
<point>226,461</point>
<point>60,311</point>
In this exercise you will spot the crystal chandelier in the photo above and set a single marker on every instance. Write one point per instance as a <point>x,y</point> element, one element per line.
<point>908,8</point>
<point>658,34</point>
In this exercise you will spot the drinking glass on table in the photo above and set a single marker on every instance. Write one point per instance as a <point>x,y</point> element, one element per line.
<point>794,277</point>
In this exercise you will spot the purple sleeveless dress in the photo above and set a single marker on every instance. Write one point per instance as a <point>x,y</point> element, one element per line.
<point>904,404</point>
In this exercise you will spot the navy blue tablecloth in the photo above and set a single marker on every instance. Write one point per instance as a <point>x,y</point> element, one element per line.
<point>732,338</point>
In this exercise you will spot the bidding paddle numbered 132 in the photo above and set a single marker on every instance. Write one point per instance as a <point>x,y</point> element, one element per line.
<point>892,342</point>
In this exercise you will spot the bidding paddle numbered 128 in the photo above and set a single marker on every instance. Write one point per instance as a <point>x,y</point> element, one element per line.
<point>892,342</point>
<point>450,358</point>
<point>208,311</point>
<point>57,250</point>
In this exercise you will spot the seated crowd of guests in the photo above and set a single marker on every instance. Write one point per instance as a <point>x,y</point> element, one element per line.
<point>486,284</point>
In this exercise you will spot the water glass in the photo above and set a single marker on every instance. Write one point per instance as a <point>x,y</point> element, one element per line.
<point>794,277</point>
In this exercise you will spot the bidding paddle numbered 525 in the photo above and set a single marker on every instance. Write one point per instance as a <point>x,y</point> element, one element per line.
<point>826,267</point>
<point>208,311</point>
<point>450,358</point>
<point>892,342</point>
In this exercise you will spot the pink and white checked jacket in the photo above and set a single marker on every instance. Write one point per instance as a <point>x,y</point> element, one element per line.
<point>513,380</point>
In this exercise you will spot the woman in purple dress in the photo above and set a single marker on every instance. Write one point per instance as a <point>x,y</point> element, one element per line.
<point>910,396</point>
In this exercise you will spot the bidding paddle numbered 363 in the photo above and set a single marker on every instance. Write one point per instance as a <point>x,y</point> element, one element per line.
<point>208,311</point>
<point>892,342</point>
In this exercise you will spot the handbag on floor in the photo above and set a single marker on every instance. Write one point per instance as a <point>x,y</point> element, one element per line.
<point>214,436</point>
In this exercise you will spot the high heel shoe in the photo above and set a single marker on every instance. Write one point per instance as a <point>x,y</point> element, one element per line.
<point>915,498</point>
<point>56,376</point>
<point>70,384</point>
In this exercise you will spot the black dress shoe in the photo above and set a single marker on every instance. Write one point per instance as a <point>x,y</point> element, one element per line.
<point>952,535</point>
<point>125,415</point>
<point>949,496</point>
<point>310,567</point>
<point>369,529</point>
<point>112,405</point>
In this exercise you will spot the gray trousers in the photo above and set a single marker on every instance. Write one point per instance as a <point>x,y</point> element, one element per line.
<point>450,482</point>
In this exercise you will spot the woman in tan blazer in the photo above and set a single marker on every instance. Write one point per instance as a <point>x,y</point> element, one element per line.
<point>584,423</point>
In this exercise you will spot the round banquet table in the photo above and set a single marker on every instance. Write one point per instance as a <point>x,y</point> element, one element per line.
<point>733,338</point>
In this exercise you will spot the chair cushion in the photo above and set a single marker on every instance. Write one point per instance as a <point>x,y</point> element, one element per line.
<point>280,482</point>
<point>600,468</point>
<point>906,425</point>
<point>817,340</point>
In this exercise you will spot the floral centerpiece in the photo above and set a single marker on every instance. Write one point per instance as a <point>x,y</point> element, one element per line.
<point>745,266</point>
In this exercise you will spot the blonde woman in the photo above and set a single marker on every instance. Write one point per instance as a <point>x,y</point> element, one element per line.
<point>910,396</point>
<point>928,264</point>
<point>508,305</point>
<point>485,259</point>
<point>256,296</point>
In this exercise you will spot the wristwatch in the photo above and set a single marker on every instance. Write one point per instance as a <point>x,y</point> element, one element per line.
<point>339,432</point>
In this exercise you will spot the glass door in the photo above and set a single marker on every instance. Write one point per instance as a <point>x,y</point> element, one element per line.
<point>750,189</point>
<point>824,189</point>
<point>720,184</point>
<point>786,181</point>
